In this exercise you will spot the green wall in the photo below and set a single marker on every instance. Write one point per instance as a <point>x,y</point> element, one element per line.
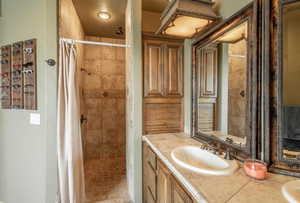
<point>27,152</point>
<point>134,99</point>
<point>229,7</point>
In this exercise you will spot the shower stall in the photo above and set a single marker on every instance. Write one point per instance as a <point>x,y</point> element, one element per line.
<point>102,98</point>
<point>94,159</point>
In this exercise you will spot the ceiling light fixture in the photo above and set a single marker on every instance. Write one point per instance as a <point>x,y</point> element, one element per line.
<point>104,15</point>
<point>185,18</point>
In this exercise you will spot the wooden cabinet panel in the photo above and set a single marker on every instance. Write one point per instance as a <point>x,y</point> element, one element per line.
<point>173,70</point>
<point>163,73</point>
<point>208,64</point>
<point>151,157</point>
<point>148,198</point>
<point>162,115</point>
<point>149,174</point>
<point>178,194</point>
<point>206,117</point>
<point>153,69</point>
<point>163,184</point>
<point>207,60</point>
<point>151,180</point>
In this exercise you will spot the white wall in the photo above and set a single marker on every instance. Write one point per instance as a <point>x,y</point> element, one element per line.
<point>27,152</point>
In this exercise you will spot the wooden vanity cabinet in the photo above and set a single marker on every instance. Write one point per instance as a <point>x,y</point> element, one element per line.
<point>163,86</point>
<point>167,188</point>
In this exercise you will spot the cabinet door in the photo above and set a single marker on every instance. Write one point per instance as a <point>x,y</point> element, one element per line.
<point>163,184</point>
<point>178,195</point>
<point>149,175</point>
<point>208,70</point>
<point>153,69</point>
<point>173,70</point>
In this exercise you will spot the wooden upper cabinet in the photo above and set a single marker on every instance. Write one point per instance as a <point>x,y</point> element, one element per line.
<point>208,65</point>
<point>163,69</point>
<point>153,69</point>
<point>173,70</point>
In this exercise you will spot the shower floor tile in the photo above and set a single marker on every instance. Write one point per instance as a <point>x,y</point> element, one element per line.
<point>106,188</point>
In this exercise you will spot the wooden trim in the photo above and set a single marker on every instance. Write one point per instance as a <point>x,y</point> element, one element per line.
<point>162,100</point>
<point>168,38</point>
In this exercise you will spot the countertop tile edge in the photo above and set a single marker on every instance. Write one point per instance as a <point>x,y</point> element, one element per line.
<point>198,197</point>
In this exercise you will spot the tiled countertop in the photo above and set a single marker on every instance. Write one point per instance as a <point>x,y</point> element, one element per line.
<point>235,188</point>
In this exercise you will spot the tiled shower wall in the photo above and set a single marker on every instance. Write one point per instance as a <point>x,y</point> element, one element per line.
<point>103,105</point>
<point>237,104</point>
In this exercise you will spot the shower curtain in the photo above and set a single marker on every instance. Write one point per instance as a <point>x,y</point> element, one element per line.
<point>70,153</point>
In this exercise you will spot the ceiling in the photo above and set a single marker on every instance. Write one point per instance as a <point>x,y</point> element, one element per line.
<point>88,10</point>
<point>155,5</point>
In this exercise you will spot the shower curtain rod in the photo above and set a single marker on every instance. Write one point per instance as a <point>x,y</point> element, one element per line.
<point>72,41</point>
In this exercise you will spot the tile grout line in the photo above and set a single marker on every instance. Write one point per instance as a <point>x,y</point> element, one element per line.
<point>232,196</point>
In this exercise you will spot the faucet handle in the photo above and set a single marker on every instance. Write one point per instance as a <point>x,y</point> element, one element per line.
<point>228,155</point>
<point>204,146</point>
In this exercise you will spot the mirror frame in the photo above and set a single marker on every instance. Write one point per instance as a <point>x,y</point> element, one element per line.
<point>245,14</point>
<point>274,77</point>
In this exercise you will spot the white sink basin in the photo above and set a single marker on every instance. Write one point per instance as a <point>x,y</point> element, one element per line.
<point>202,161</point>
<point>291,191</point>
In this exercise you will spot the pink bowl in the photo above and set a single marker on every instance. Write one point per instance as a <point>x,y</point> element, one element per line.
<point>255,169</point>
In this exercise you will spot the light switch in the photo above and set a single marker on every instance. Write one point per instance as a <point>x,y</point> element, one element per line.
<point>35,119</point>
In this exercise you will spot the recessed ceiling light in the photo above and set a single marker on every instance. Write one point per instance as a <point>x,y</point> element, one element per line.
<point>104,15</point>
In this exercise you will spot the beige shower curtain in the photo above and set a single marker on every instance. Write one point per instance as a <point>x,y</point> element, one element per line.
<point>70,155</point>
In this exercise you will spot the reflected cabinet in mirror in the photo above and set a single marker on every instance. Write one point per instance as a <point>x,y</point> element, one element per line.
<point>285,110</point>
<point>223,84</point>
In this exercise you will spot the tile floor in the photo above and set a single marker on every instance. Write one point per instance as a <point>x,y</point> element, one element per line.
<point>114,191</point>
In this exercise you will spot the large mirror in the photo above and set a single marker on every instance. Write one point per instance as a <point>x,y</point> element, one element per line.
<point>223,88</point>
<point>291,82</point>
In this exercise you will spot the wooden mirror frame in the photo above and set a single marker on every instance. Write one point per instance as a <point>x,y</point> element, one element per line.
<point>245,14</point>
<point>273,78</point>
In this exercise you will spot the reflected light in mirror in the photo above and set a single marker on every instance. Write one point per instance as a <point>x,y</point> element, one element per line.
<point>236,34</point>
<point>185,26</point>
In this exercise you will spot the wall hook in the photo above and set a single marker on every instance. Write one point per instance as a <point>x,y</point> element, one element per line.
<point>51,62</point>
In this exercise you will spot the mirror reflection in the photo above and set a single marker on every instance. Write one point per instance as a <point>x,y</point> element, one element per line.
<point>223,96</point>
<point>291,82</point>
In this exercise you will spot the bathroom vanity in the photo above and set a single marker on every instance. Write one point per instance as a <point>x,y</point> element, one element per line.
<point>167,181</point>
